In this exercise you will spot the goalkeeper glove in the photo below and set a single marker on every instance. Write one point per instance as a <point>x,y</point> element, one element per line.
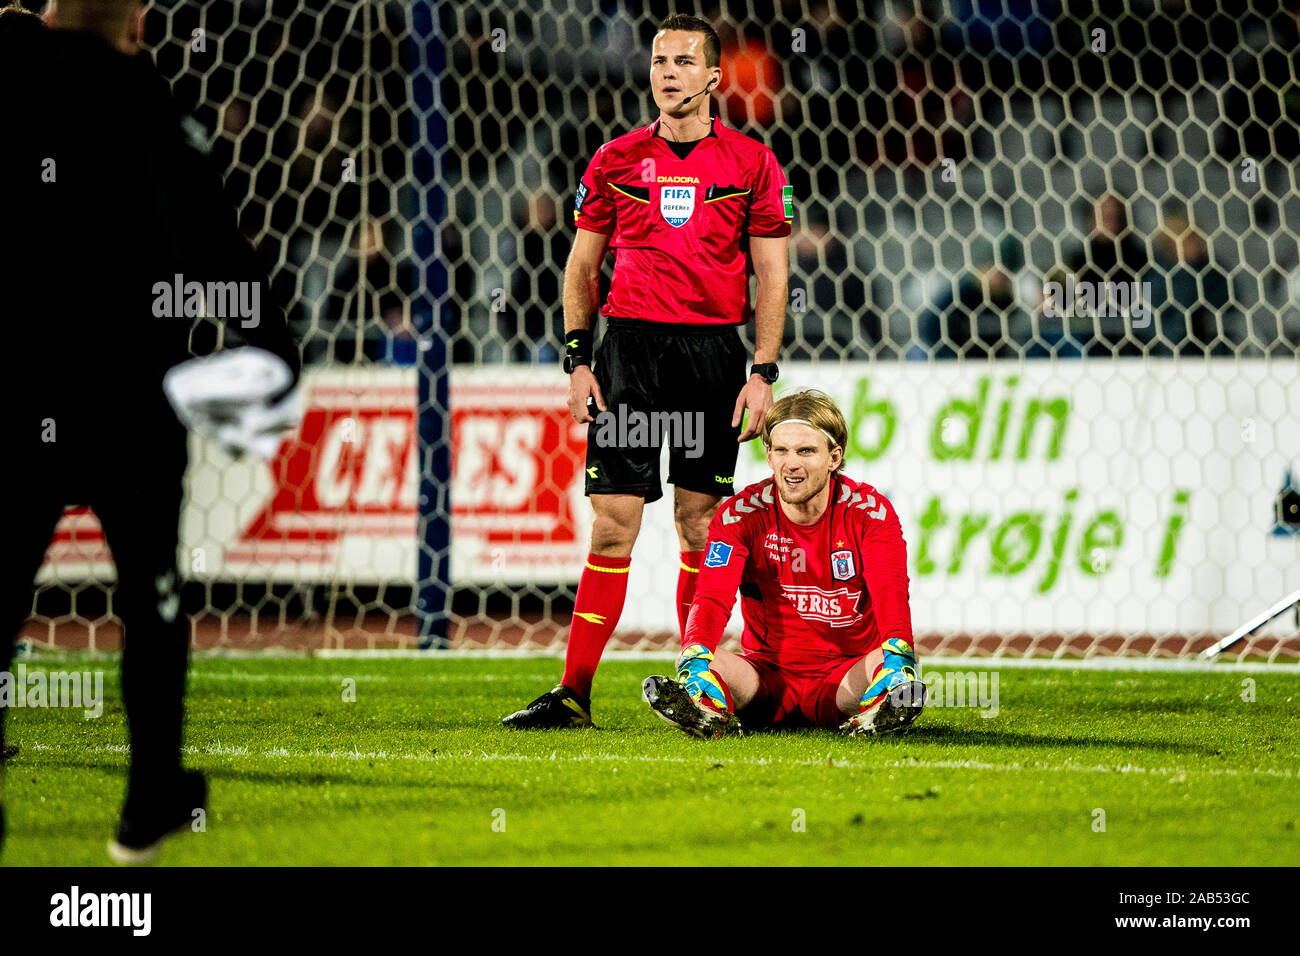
<point>899,665</point>
<point>701,683</point>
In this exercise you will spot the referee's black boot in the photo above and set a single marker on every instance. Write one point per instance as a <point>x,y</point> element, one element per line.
<point>557,708</point>
<point>154,812</point>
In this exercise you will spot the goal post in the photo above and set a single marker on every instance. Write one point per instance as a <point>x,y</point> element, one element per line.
<point>1251,626</point>
<point>428,312</point>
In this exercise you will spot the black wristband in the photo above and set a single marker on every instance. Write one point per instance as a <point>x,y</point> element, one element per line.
<point>577,349</point>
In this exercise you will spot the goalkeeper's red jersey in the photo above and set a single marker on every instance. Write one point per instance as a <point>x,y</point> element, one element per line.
<point>678,227</point>
<point>809,593</point>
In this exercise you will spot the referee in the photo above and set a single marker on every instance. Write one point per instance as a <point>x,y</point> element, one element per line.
<point>689,209</point>
<point>103,198</point>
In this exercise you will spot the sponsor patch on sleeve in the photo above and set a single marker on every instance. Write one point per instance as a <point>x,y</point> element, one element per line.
<point>718,556</point>
<point>787,199</point>
<point>582,196</point>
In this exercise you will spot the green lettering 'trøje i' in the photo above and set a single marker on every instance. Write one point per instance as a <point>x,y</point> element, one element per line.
<point>1169,549</point>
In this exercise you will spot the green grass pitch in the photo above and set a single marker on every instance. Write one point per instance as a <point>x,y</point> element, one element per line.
<point>417,770</point>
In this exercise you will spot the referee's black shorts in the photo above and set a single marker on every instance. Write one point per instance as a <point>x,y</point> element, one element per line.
<point>669,383</point>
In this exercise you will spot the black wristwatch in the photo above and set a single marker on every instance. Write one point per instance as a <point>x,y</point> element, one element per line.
<point>577,349</point>
<point>767,370</point>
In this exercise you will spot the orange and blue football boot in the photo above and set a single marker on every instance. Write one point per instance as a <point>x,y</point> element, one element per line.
<point>698,701</point>
<point>894,698</point>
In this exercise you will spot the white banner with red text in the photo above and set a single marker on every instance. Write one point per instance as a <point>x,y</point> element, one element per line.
<point>1084,497</point>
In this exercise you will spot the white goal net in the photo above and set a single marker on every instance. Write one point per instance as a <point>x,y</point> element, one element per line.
<point>1045,256</point>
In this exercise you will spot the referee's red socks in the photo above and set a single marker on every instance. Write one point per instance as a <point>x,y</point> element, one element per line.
<point>688,575</point>
<point>601,591</point>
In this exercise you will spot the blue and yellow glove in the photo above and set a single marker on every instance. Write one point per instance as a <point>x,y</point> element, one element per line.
<point>899,666</point>
<point>701,683</point>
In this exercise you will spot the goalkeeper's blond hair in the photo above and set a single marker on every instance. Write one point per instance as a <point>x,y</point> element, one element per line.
<point>814,407</point>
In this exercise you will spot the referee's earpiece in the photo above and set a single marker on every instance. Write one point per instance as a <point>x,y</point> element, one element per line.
<point>700,93</point>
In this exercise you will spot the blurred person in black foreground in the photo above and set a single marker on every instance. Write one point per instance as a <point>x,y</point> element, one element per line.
<point>104,198</point>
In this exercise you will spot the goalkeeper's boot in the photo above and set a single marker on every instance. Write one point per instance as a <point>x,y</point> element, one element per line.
<point>150,817</point>
<point>698,717</point>
<point>894,698</point>
<point>556,709</point>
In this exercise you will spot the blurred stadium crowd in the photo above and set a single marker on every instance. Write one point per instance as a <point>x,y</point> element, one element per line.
<point>1166,156</point>
<point>949,157</point>
<point>284,95</point>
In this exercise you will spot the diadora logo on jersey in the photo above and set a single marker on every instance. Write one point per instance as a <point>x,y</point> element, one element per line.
<point>677,179</point>
<point>838,608</point>
<point>677,203</point>
<point>842,565</point>
<point>718,556</point>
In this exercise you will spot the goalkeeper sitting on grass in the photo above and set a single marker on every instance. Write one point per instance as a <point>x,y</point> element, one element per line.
<point>821,567</point>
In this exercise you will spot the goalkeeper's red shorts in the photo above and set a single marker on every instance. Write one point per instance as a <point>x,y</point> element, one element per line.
<point>795,695</point>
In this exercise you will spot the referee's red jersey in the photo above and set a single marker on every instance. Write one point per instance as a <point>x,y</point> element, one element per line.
<point>676,225</point>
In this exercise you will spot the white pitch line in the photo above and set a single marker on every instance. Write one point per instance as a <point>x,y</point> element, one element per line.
<point>935,668</point>
<point>223,750</point>
<point>934,662</point>
<point>201,674</point>
<point>1155,665</point>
